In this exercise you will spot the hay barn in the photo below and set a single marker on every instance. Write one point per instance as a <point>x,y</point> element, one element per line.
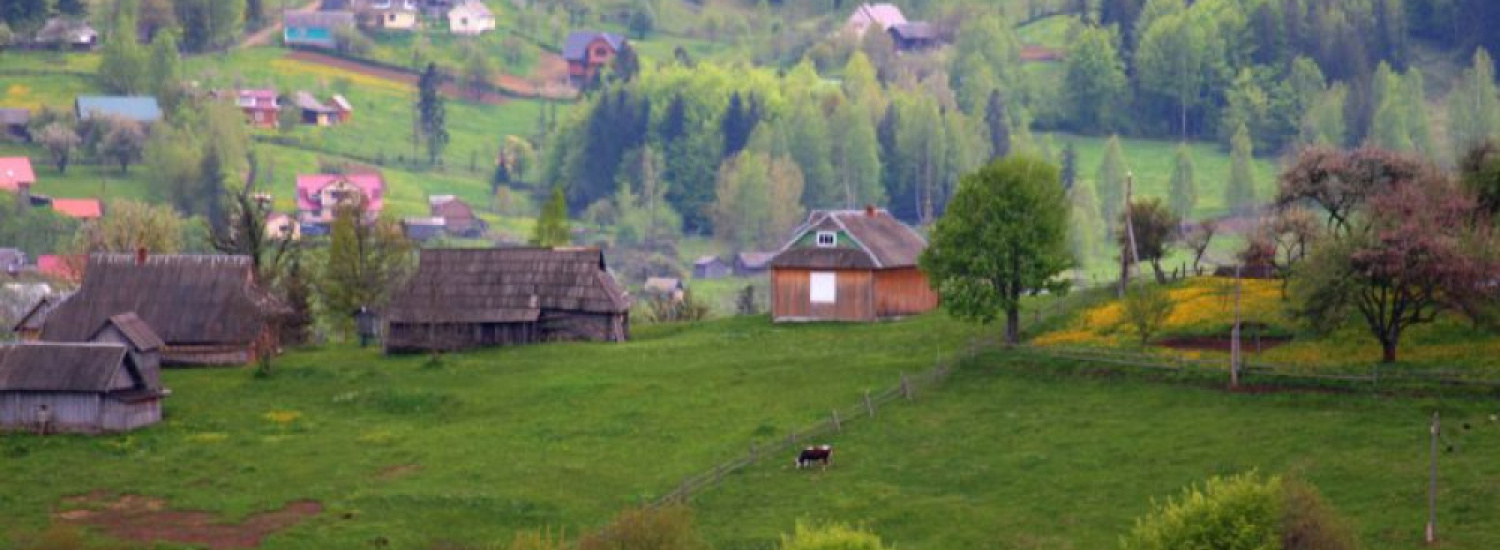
<point>86,387</point>
<point>471,298</point>
<point>850,265</point>
<point>207,309</point>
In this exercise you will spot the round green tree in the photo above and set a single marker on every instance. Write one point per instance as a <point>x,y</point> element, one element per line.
<point>1005,234</point>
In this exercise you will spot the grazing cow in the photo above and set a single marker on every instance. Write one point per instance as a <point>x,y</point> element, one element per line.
<point>821,453</point>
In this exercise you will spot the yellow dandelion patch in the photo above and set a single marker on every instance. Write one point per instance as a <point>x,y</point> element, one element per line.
<point>208,437</point>
<point>283,417</point>
<point>357,80</point>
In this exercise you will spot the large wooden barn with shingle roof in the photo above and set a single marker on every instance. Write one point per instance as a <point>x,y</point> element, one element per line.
<point>206,309</point>
<point>850,265</point>
<point>87,387</point>
<point>471,298</point>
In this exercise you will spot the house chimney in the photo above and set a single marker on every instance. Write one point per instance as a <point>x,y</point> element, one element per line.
<point>870,210</point>
<point>140,256</point>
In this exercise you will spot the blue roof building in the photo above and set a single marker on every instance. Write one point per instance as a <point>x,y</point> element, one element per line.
<point>142,109</point>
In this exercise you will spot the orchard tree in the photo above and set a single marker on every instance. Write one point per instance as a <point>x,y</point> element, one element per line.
<point>60,140</point>
<point>1480,174</point>
<point>1338,182</point>
<point>1410,256</point>
<point>366,261</point>
<point>1155,229</point>
<point>123,141</point>
<point>1005,235</point>
<point>130,226</point>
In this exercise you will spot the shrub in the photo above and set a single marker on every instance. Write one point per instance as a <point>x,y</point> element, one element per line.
<point>667,309</point>
<point>832,536</point>
<point>1243,512</point>
<point>664,528</point>
<point>1147,308</point>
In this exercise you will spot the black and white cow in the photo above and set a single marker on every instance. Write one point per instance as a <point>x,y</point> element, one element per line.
<point>821,453</point>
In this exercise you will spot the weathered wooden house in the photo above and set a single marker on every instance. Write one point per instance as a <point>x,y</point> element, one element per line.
<point>850,265</point>
<point>207,309</point>
<point>750,264</point>
<point>82,387</point>
<point>29,327</point>
<point>473,298</point>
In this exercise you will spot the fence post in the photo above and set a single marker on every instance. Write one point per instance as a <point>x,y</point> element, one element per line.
<point>905,386</point>
<point>869,407</point>
<point>791,439</point>
<point>836,426</point>
<point>754,453</point>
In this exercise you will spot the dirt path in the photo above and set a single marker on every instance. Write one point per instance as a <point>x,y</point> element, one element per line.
<point>450,90</point>
<point>1033,53</point>
<point>149,520</point>
<point>264,36</point>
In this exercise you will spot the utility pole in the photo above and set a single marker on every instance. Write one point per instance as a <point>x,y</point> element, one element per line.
<point>1432,482</point>
<point>1234,344</point>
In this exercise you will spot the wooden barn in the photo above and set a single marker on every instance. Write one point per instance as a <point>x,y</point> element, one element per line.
<point>84,387</point>
<point>207,309</point>
<point>29,327</point>
<point>472,298</point>
<point>850,265</point>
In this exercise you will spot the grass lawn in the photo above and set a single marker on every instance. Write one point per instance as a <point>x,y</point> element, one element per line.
<point>1000,459</point>
<point>559,436</point>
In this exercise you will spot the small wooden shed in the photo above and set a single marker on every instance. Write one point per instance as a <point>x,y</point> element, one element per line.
<point>711,267</point>
<point>207,309</point>
<point>470,298</point>
<point>850,265</point>
<point>85,387</point>
<point>29,327</point>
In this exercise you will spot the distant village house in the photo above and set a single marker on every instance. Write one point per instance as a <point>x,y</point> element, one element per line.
<point>458,217</point>
<point>749,264</point>
<point>389,14</point>
<point>711,267</point>
<point>142,109</point>
<point>471,18</point>
<point>67,33</point>
<point>665,288</point>
<point>881,16</point>
<point>471,298</point>
<point>850,265</point>
<point>16,174</point>
<point>262,108</point>
<point>79,209</point>
<point>587,52</point>
<point>78,388</point>
<point>319,196</point>
<point>314,112</point>
<point>15,123</point>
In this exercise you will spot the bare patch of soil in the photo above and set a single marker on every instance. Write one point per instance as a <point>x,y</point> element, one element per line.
<point>1033,53</point>
<point>398,471</point>
<point>451,90</point>
<point>149,520</point>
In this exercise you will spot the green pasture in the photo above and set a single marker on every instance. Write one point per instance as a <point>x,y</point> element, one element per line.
<point>487,443</point>
<point>1007,456</point>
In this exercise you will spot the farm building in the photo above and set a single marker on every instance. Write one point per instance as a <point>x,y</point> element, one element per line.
<point>206,308</point>
<point>261,107</point>
<point>424,229</point>
<point>65,32</point>
<point>711,267</point>
<point>29,327</point>
<point>884,16</point>
<point>317,28</point>
<point>850,265</point>
<point>587,51</point>
<point>13,122</point>
<point>336,111</point>
<point>914,36</point>
<point>748,264</point>
<point>471,18</point>
<point>79,209</point>
<point>506,296</point>
<point>81,387</point>
<point>667,288</point>
<point>142,109</point>
<point>319,197</point>
<point>16,173</point>
<point>401,15</point>
<point>458,217</point>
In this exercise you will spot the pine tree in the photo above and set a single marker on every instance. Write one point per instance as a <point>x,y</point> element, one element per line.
<point>1240,194</point>
<point>73,8</point>
<point>1109,183</point>
<point>552,226</point>
<point>1184,189</point>
<point>995,121</point>
<point>1070,166</point>
<point>736,126</point>
<point>433,114</point>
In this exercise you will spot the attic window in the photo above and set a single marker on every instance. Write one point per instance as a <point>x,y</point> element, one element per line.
<point>827,239</point>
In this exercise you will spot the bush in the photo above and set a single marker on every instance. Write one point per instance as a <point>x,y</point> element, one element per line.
<point>832,536</point>
<point>1243,512</point>
<point>664,528</point>
<point>667,309</point>
<point>1147,309</point>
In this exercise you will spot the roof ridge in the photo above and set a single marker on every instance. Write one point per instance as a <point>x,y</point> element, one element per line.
<point>871,253</point>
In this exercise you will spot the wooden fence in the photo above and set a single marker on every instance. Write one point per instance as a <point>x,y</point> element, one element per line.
<point>908,387</point>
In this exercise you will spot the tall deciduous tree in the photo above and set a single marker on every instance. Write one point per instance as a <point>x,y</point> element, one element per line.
<point>1474,106</point>
<point>1155,229</point>
<point>1240,194</point>
<point>123,142</point>
<point>1480,173</point>
<point>1339,182</point>
<point>552,228</point>
<point>1184,193</point>
<point>164,69</point>
<point>366,261</point>
<point>60,140</point>
<point>1174,60</point>
<point>1094,75</point>
<point>122,63</point>
<point>856,156</point>
<point>758,200</point>
<point>1087,225</point>
<point>1109,182</point>
<point>1005,234</point>
<point>130,226</point>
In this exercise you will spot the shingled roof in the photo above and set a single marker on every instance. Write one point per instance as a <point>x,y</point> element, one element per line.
<point>135,330</point>
<point>186,299</point>
<point>880,241</point>
<point>576,48</point>
<point>506,285</point>
<point>60,367</point>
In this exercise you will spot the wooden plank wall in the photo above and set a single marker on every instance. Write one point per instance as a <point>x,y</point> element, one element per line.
<point>791,297</point>
<point>902,292</point>
<point>77,412</point>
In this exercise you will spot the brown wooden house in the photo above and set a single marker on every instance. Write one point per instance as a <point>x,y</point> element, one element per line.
<point>84,387</point>
<point>470,298</point>
<point>207,309</point>
<point>850,265</point>
<point>587,52</point>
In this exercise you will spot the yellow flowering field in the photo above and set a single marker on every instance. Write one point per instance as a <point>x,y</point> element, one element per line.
<point>1202,304</point>
<point>359,81</point>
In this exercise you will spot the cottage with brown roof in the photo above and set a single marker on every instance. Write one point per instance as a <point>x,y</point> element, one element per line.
<point>207,309</point>
<point>850,265</point>
<point>79,387</point>
<point>470,298</point>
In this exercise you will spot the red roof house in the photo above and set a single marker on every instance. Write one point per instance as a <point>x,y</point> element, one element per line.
<point>260,106</point>
<point>318,195</point>
<point>68,268</point>
<point>82,209</point>
<point>16,172</point>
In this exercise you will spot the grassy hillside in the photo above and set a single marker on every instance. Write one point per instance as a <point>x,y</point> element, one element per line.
<point>998,459</point>
<point>557,435</point>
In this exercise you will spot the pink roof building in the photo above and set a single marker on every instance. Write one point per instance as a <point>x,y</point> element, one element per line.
<point>882,15</point>
<point>319,195</point>
<point>16,172</point>
<point>61,267</point>
<point>83,209</point>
